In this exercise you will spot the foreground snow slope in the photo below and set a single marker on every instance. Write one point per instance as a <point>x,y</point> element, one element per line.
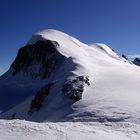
<point>113,93</point>
<point>12,130</point>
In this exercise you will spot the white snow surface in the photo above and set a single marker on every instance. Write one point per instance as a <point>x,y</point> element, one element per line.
<point>105,49</point>
<point>113,97</point>
<point>24,130</point>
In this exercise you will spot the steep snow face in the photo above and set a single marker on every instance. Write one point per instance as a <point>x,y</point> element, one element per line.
<point>112,94</point>
<point>34,64</point>
<point>69,45</point>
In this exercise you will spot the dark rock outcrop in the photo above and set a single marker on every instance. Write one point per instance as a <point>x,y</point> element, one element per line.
<point>136,61</point>
<point>124,56</point>
<point>73,89</point>
<point>39,59</point>
<point>39,98</point>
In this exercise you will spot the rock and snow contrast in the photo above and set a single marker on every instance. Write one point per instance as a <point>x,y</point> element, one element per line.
<point>60,88</point>
<point>137,61</point>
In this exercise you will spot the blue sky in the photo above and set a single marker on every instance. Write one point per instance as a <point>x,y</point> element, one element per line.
<point>113,22</point>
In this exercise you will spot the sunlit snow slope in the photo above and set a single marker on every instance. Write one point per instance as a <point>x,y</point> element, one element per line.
<point>112,96</point>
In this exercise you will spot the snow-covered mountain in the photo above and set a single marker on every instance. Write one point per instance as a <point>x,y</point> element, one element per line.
<point>55,77</point>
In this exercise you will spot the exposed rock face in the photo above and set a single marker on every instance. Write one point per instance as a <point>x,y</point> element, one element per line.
<point>73,89</point>
<point>39,98</point>
<point>39,59</point>
<point>137,61</point>
<point>124,56</point>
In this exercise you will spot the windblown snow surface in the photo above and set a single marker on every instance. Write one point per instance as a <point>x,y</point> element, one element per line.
<point>109,108</point>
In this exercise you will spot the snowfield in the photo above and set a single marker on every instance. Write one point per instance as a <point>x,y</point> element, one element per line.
<point>108,107</point>
<point>24,130</point>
